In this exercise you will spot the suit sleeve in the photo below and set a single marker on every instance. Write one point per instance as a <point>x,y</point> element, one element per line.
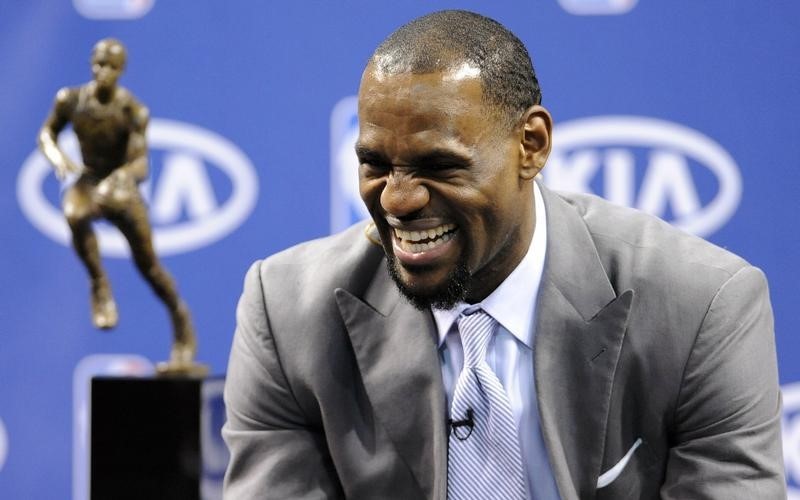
<point>274,453</point>
<point>727,435</point>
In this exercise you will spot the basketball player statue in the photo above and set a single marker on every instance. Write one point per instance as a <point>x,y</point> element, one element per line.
<point>110,126</point>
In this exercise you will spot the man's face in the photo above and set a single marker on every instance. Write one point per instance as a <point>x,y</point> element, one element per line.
<point>107,66</point>
<point>441,179</point>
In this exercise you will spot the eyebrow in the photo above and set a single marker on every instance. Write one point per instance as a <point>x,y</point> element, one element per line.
<point>365,152</point>
<point>436,156</point>
<point>441,156</point>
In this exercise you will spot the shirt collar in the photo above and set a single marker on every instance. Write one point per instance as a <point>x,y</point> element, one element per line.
<point>513,302</point>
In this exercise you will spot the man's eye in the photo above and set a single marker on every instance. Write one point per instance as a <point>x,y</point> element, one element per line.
<point>441,168</point>
<point>374,165</point>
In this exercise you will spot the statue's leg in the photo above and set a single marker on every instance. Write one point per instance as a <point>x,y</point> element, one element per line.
<point>79,212</point>
<point>133,223</point>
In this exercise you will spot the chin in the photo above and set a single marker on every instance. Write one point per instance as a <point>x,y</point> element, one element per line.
<point>445,295</point>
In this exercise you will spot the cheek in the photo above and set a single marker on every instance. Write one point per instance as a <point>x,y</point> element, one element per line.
<point>486,221</point>
<point>370,191</point>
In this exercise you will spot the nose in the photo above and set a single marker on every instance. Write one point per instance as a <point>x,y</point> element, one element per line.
<point>403,194</point>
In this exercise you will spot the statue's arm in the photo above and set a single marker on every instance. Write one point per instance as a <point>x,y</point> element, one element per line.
<point>56,121</point>
<point>137,165</point>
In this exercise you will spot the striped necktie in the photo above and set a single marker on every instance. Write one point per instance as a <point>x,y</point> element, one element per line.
<point>484,459</point>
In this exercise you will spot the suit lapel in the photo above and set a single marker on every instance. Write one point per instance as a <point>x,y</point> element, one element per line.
<point>579,332</point>
<point>396,351</point>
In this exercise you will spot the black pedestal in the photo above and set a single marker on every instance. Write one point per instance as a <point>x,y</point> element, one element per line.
<point>146,438</point>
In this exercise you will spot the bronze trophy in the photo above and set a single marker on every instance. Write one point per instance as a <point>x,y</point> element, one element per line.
<point>110,125</point>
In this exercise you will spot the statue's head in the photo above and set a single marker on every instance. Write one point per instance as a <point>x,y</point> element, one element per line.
<point>108,62</point>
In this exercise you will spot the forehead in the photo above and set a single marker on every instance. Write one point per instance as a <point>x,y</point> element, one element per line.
<point>448,90</point>
<point>108,53</point>
<point>413,108</point>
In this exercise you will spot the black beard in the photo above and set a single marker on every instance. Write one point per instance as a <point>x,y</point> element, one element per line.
<point>446,296</point>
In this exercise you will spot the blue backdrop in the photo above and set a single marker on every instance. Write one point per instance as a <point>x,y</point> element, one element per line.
<point>685,109</point>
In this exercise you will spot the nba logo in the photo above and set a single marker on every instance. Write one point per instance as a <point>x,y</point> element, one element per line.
<point>215,455</point>
<point>113,9</point>
<point>597,7</point>
<point>791,438</point>
<point>346,205</point>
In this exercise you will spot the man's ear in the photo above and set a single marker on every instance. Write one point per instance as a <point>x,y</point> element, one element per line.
<point>536,131</point>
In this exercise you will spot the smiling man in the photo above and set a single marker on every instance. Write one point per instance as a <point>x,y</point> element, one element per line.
<point>445,190</point>
<point>486,338</point>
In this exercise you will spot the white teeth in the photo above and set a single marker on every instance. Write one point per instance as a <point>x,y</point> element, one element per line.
<point>422,247</point>
<point>412,236</point>
<point>438,236</point>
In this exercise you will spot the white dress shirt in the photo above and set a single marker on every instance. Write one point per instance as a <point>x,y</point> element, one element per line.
<point>510,353</point>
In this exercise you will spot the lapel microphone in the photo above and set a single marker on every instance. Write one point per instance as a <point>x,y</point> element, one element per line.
<point>456,425</point>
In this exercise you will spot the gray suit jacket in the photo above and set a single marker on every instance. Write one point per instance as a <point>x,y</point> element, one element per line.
<point>643,333</point>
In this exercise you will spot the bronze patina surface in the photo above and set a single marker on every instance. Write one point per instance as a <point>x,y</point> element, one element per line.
<point>110,124</point>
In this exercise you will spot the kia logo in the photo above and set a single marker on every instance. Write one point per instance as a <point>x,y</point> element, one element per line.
<point>205,188</point>
<point>660,167</point>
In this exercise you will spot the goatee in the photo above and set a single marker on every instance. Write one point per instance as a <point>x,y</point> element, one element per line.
<point>453,291</point>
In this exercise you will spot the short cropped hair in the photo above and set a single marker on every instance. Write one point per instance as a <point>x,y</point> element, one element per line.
<point>113,47</point>
<point>447,39</point>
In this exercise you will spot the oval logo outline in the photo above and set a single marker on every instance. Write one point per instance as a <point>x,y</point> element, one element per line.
<point>162,134</point>
<point>653,133</point>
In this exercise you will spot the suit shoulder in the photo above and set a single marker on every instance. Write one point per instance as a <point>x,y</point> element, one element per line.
<point>618,229</point>
<point>661,262</point>
<point>312,270</point>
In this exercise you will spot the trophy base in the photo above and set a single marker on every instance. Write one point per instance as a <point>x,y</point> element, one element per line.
<point>156,437</point>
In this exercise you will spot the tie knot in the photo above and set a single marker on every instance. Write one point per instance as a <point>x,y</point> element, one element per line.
<point>476,329</point>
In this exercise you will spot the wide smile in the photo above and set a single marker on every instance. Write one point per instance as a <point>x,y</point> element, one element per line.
<point>422,246</point>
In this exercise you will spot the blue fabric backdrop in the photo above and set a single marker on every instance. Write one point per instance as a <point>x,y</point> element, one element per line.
<point>686,109</point>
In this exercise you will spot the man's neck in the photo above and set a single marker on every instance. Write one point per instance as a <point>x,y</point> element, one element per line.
<point>513,302</point>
